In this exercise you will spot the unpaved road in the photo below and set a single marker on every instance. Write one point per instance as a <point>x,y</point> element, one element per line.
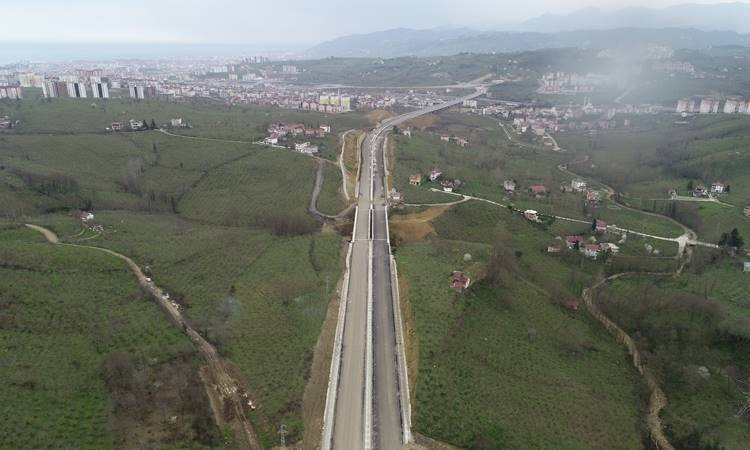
<point>228,389</point>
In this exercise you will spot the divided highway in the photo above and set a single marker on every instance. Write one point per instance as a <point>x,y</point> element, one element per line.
<point>367,404</point>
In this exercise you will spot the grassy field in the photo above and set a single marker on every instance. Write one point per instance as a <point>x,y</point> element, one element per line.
<point>89,360</point>
<point>331,200</point>
<point>503,365</point>
<point>217,224</point>
<point>700,319</point>
<point>208,119</point>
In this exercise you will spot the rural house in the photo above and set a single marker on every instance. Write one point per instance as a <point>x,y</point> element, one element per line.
<point>717,187</point>
<point>570,304</point>
<point>435,174</point>
<point>573,241</point>
<point>509,185</point>
<point>416,179</point>
<point>578,185</point>
<point>600,226</point>
<point>531,215</point>
<point>460,281</point>
<point>747,210</point>
<point>537,189</point>
<point>591,251</point>
<point>746,266</point>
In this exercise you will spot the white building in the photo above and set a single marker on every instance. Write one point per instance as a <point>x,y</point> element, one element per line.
<point>578,185</point>
<point>99,90</point>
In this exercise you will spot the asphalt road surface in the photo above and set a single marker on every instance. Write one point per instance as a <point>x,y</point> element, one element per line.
<point>368,405</point>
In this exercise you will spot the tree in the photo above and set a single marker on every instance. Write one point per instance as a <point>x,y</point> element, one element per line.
<point>593,224</point>
<point>145,125</point>
<point>690,185</point>
<point>726,189</point>
<point>153,124</point>
<point>735,240</point>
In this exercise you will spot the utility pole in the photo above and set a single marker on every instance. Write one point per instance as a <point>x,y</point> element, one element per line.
<point>282,435</point>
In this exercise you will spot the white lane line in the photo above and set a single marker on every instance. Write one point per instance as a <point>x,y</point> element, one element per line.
<point>368,356</point>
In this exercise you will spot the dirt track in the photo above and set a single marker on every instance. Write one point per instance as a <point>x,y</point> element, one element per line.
<point>220,386</point>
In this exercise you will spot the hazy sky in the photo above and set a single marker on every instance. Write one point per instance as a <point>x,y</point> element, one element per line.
<point>300,22</point>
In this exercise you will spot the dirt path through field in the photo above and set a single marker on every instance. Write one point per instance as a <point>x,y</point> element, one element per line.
<point>222,387</point>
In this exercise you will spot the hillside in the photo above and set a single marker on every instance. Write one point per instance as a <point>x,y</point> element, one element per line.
<point>436,42</point>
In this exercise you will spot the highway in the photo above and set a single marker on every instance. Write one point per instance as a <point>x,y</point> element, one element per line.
<point>367,404</point>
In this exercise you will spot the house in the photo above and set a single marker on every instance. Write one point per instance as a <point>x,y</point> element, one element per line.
<point>116,126</point>
<point>311,132</point>
<point>406,132</point>
<point>395,196</point>
<point>460,281</point>
<point>600,226</point>
<point>593,196</point>
<point>176,122</point>
<point>747,210</point>
<point>85,216</point>
<point>717,187</point>
<point>462,142</point>
<point>435,174</point>
<point>445,138</point>
<point>531,215</point>
<point>570,304</point>
<point>700,191</point>
<point>578,185</point>
<point>448,185</point>
<point>672,193</point>
<point>537,189</point>
<point>608,247</point>
<point>416,179</point>
<point>553,249</point>
<point>591,251</point>
<point>325,128</point>
<point>306,148</point>
<point>272,139</point>
<point>509,185</point>
<point>573,241</point>
<point>746,267</point>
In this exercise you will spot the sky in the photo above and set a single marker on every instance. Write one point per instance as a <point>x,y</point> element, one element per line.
<point>271,23</point>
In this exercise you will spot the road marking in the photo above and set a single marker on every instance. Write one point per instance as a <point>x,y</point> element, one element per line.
<point>368,356</point>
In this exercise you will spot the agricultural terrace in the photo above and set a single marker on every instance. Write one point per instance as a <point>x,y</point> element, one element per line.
<point>217,224</point>
<point>485,362</point>
<point>89,360</point>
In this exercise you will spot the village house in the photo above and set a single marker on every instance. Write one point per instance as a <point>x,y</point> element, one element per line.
<point>746,266</point>
<point>448,185</point>
<point>717,187</point>
<point>553,249</point>
<point>460,281</point>
<point>306,148</point>
<point>593,196</point>
<point>509,185</point>
<point>531,215</point>
<point>578,185</point>
<point>406,132</point>
<point>85,216</point>
<point>273,139</point>
<point>325,128</point>
<point>600,226</point>
<point>416,179</point>
<point>116,126</point>
<point>700,191</point>
<point>445,138</point>
<point>747,210</point>
<point>672,193</point>
<point>570,304</point>
<point>435,174</point>
<point>573,241</point>
<point>608,247</point>
<point>175,122</point>
<point>591,251</point>
<point>395,196</point>
<point>537,189</point>
<point>462,142</point>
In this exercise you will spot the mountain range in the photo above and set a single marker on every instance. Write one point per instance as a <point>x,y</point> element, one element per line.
<point>682,26</point>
